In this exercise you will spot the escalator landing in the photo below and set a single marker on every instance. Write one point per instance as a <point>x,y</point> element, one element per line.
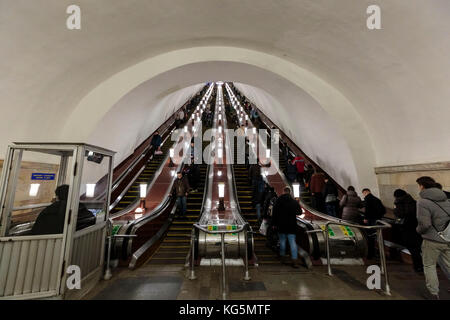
<point>269,282</point>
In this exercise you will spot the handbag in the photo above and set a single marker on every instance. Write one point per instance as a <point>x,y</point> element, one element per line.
<point>444,234</point>
<point>264,226</point>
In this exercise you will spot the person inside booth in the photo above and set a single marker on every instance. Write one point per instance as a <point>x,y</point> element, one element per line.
<point>51,219</point>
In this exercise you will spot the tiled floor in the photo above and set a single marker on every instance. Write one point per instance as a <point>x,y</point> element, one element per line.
<point>268,282</point>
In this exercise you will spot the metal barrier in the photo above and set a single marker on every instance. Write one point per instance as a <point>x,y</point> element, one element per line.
<point>222,236</point>
<point>378,228</point>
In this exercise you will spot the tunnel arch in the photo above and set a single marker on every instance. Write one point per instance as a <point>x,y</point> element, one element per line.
<point>360,156</point>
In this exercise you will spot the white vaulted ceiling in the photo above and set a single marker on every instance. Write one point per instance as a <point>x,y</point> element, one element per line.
<point>352,98</point>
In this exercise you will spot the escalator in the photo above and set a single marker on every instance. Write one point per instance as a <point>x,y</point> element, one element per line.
<point>175,245</point>
<point>146,176</point>
<point>264,254</point>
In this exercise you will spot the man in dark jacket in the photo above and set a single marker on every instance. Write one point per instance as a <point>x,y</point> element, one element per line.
<point>156,143</point>
<point>405,211</point>
<point>194,176</point>
<point>254,175</point>
<point>373,210</point>
<point>285,213</point>
<point>330,194</point>
<point>51,219</point>
<point>291,170</point>
<point>180,190</point>
<point>433,216</point>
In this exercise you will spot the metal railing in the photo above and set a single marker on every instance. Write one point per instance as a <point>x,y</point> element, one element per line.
<point>379,232</point>
<point>222,233</point>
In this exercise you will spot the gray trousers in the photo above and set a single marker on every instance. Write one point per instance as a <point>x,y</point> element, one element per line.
<point>431,252</point>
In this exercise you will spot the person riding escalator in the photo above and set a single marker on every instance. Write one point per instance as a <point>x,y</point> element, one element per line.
<point>285,214</point>
<point>180,190</point>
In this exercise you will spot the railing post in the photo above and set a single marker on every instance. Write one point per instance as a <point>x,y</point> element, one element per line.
<point>224,280</point>
<point>327,243</point>
<point>383,261</point>
<point>192,272</point>
<point>108,273</point>
<point>246,274</point>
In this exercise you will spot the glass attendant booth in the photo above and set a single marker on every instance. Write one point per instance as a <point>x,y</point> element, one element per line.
<point>53,219</point>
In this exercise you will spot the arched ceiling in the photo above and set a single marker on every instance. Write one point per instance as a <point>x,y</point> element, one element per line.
<point>394,81</point>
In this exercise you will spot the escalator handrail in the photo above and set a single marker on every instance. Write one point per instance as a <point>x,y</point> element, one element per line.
<point>235,194</point>
<point>205,190</point>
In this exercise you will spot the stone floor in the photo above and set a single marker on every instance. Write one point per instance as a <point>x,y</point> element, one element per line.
<point>268,282</point>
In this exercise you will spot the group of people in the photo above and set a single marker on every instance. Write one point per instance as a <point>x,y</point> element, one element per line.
<point>418,224</point>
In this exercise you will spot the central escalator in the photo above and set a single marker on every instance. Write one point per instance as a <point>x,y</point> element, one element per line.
<point>264,254</point>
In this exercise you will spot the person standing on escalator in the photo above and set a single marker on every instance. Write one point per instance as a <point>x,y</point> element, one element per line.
<point>373,210</point>
<point>180,190</point>
<point>194,176</point>
<point>330,193</point>
<point>180,118</point>
<point>405,212</point>
<point>300,164</point>
<point>284,222</point>
<point>316,187</point>
<point>291,170</point>
<point>156,143</point>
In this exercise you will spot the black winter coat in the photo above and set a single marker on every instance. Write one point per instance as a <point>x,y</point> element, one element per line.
<point>405,208</point>
<point>285,214</point>
<point>330,188</point>
<point>375,209</point>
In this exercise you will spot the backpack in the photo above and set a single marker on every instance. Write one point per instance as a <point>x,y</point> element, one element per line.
<point>444,234</point>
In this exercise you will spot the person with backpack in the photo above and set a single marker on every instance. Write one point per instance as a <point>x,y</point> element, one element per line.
<point>433,217</point>
<point>373,210</point>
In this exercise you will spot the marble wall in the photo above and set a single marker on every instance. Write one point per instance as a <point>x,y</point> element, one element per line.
<point>404,177</point>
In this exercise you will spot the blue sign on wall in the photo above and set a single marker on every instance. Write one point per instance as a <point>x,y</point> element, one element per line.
<point>42,176</point>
